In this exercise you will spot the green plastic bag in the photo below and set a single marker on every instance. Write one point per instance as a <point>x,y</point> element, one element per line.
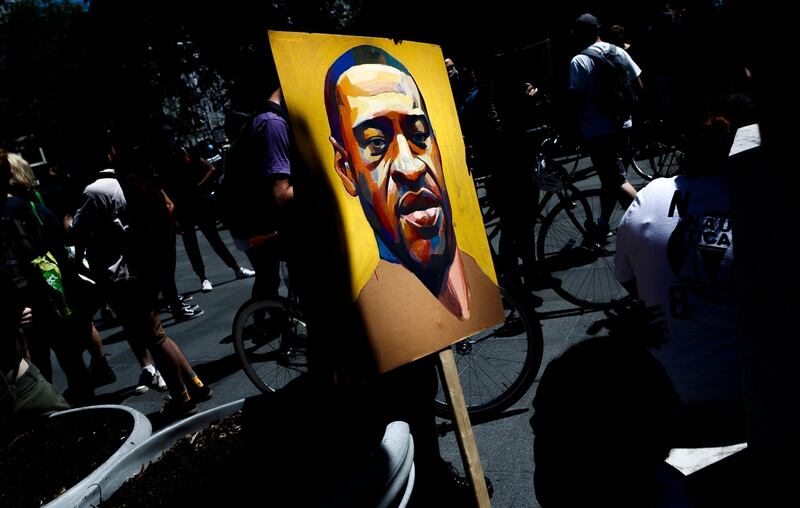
<point>48,266</point>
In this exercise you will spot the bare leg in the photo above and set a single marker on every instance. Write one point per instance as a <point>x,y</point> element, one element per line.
<point>95,345</point>
<point>627,195</point>
<point>140,352</point>
<point>173,365</point>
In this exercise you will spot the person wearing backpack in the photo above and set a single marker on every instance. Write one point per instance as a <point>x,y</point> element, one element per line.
<point>604,80</point>
<point>257,192</point>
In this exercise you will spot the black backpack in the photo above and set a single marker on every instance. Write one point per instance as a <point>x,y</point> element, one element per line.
<point>239,189</point>
<point>243,197</point>
<point>615,94</point>
<point>148,235</point>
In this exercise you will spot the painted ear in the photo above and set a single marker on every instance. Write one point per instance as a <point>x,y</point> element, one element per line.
<point>343,167</point>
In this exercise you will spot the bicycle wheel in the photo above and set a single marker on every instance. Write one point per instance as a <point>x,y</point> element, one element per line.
<point>657,160</point>
<point>271,339</point>
<point>550,200</point>
<point>498,365</point>
<point>568,248</point>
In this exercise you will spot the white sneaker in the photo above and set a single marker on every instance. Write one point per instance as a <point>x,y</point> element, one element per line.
<point>148,380</point>
<point>158,381</point>
<point>207,286</point>
<point>244,273</point>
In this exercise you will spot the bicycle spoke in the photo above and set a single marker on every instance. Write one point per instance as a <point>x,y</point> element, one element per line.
<point>585,266</point>
<point>489,377</point>
<point>279,359</point>
<point>496,367</point>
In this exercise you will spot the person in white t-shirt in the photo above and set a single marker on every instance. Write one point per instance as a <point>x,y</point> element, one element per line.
<point>675,249</point>
<point>604,136</point>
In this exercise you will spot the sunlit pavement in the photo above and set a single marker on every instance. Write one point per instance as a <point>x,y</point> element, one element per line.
<point>505,444</point>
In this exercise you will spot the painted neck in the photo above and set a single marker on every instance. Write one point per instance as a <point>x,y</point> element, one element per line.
<point>276,97</point>
<point>455,294</point>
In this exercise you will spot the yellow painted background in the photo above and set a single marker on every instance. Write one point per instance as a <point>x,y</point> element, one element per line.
<point>303,59</point>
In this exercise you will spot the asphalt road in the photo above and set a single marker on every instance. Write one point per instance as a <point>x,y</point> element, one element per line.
<point>505,444</point>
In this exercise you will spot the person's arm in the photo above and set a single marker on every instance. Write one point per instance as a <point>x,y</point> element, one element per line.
<point>276,165</point>
<point>55,238</point>
<point>575,98</point>
<point>168,202</point>
<point>282,192</point>
<point>634,71</point>
<point>638,86</point>
<point>211,170</point>
<point>578,79</point>
<point>84,223</point>
<point>27,317</point>
<point>623,271</point>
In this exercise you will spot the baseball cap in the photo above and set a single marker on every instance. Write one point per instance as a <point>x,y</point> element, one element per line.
<point>587,20</point>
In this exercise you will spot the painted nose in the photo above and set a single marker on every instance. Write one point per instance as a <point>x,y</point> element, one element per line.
<point>405,165</point>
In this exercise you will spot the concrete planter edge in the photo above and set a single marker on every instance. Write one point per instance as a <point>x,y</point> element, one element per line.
<point>142,429</point>
<point>150,451</point>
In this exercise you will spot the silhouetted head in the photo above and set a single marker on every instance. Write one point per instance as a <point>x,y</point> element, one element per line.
<point>585,30</point>
<point>709,144</point>
<point>602,425</point>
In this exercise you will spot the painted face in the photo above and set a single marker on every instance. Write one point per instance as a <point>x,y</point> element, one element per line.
<point>394,163</point>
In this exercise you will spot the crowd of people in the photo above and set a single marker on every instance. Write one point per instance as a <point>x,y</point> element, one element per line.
<point>116,248</point>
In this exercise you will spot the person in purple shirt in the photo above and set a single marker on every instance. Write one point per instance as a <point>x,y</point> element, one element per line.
<point>258,171</point>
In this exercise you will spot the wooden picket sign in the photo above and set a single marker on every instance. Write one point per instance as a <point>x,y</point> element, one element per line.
<point>466,440</point>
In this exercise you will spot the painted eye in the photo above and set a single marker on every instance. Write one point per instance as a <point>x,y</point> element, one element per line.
<point>419,138</point>
<point>376,144</point>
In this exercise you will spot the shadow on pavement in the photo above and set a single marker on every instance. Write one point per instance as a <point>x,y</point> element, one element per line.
<point>117,397</point>
<point>215,370</point>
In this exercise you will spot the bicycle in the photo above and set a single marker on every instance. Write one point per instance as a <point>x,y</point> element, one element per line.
<point>277,333</point>
<point>270,338</point>
<point>567,212</point>
<point>556,170</point>
<point>568,246</point>
<point>567,216</point>
<point>498,365</point>
<point>573,248</point>
<point>653,154</point>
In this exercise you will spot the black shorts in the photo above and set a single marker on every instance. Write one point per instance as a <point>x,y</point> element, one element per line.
<point>606,152</point>
<point>135,303</point>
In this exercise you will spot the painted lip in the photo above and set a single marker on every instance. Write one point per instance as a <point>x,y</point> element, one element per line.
<point>421,209</point>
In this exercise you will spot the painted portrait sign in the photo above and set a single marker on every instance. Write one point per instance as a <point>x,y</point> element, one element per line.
<point>380,120</point>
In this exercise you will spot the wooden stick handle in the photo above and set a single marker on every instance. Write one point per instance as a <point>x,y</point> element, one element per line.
<point>466,440</point>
